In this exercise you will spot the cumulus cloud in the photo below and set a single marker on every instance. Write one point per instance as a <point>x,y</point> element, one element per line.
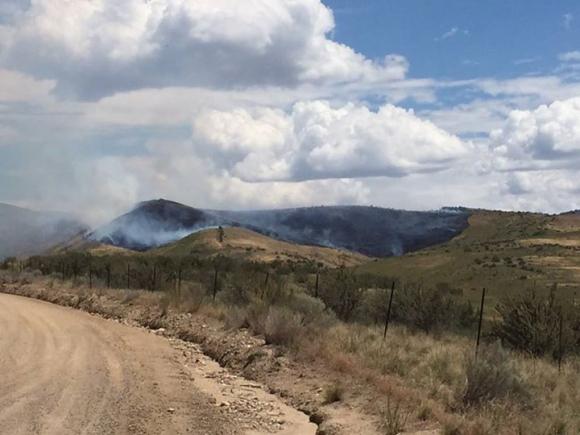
<point>318,141</point>
<point>550,190</point>
<point>100,47</point>
<point>546,137</point>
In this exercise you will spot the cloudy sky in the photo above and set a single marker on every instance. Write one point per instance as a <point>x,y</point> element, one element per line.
<point>275,103</point>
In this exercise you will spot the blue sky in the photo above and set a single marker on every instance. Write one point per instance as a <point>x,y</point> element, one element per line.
<point>505,37</point>
<point>414,104</point>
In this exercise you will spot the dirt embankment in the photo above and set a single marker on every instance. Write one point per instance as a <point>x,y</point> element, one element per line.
<point>234,387</point>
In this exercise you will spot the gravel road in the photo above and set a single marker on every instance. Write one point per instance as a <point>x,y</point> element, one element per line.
<point>63,371</point>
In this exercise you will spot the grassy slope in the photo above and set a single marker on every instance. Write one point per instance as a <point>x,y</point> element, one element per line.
<point>504,252</point>
<point>81,244</point>
<point>245,244</point>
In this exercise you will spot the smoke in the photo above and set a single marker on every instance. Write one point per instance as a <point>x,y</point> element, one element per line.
<point>26,232</point>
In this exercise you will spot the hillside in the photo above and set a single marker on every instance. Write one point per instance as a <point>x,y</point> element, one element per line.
<point>371,231</point>
<point>28,232</point>
<point>152,224</point>
<point>504,252</point>
<point>81,243</point>
<point>245,244</point>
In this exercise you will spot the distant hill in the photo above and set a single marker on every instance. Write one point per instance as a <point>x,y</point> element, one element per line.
<point>504,252</point>
<point>152,224</point>
<point>248,245</point>
<point>371,231</point>
<point>28,232</point>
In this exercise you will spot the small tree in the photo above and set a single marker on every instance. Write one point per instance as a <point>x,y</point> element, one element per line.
<point>531,324</point>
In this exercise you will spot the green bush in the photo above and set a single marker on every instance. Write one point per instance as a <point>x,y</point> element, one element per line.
<point>431,310</point>
<point>531,324</point>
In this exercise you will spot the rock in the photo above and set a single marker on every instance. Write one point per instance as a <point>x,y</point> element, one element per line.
<point>171,410</point>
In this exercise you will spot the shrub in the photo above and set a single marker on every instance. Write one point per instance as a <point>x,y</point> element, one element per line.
<point>236,318</point>
<point>393,418</point>
<point>532,324</point>
<point>429,310</point>
<point>194,298</point>
<point>491,376</point>
<point>282,326</point>
<point>333,393</point>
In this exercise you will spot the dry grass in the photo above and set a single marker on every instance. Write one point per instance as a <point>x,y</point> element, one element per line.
<point>249,245</point>
<point>440,380</point>
<point>413,377</point>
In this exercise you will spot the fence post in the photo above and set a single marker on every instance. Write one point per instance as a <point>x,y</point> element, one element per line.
<point>109,275</point>
<point>317,283</point>
<point>388,316</point>
<point>179,282</point>
<point>90,275</point>
<point>263,290</point>
<point>154,281</point>
<point>480,322</point>
<point>560,347</point>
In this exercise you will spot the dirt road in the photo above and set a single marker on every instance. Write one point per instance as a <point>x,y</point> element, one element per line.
<point>63,371</point>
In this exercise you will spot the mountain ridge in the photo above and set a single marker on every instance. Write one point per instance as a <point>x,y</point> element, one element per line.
<point>368,230</point>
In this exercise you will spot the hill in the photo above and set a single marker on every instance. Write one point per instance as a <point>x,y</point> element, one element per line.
<point>504,252</point>
<point>371,231</point>
<point>80,243</point>
<point>241,243</point>
<point>152,224</point>
<point>28,232</point>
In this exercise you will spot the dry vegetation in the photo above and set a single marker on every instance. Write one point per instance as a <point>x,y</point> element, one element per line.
<point>236,243</point>
<point>424,375</point>
<point>245,244</point>
<point>504,252</point>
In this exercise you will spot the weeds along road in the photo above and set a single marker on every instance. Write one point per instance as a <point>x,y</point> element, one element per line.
<point>66,372</point>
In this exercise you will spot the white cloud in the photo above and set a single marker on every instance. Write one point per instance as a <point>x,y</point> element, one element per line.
<point>547,191</point>
<point>570,56</point>
<point>545,138</point>
<point>99,47</point>
<point>15,86</point>
<point>454,31</point>
<point>318,141</point>
<point>541,89</point>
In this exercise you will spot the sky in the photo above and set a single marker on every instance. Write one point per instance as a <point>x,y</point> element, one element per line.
<point>415,104</point>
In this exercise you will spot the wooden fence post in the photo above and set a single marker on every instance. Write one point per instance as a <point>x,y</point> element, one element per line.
<point>480,322</point>
<point>560,346</point>
<point>215,283</point>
